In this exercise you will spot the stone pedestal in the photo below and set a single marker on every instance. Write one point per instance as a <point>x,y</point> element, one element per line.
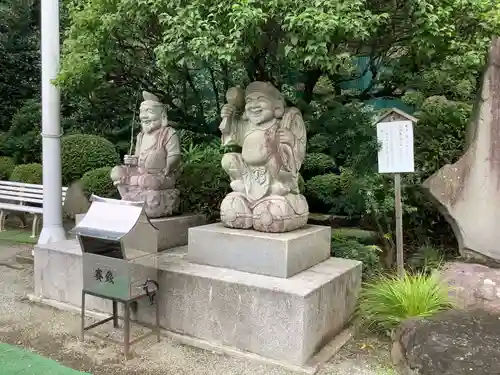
<point>172,231</point>
<point>287,320</point>
<point>272,254</point>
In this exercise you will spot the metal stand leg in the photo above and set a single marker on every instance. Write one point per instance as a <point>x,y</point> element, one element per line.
<point>157,320</point>
<point>115,314</point>
<point>126,329</point>
<point>2,220</point>
<point>82,333</point>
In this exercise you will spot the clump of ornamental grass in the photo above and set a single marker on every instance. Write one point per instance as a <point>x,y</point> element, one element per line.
<point>387,301</point>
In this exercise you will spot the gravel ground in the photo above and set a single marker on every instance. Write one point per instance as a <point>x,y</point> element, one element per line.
<point>54,334</point>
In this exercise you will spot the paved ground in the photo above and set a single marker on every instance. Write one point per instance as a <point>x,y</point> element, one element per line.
<point>53,333</point>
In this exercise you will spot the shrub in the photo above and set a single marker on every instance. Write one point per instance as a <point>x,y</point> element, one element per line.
<point>317,164</point>
<point>389,300</point>
<point>23,141</point>
<point>426,259</point>
<point>323,190</point>
<point>98,182</point>
<point>6,167</point>
<point>203,185</point>
<point>440,134</point>
<point>81,153</point>
<point>319,143</point>
<point>369,255</point>
<point>330,193</point>
<point>365,237</point>
<point>27,173</point>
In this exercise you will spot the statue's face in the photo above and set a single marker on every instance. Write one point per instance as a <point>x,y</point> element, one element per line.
<point>150,118</point>
<point>259,108</point>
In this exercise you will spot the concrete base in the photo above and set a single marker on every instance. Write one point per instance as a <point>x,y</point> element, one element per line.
<point>272,254</point>
<point>311,368</point>
<point>287,320</point>
<point>172,231</point>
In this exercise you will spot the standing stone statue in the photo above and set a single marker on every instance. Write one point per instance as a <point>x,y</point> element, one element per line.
<point>149,175</point>
<point>265,176</point>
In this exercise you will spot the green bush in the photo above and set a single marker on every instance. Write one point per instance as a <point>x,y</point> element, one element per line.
<point>440,134</point>
<point>324,189</point>
<point>7,165</point>
<point>317,164</point>
<point>389,300</point>
<point>23,141</point>
<point>369,255</point>
<point>82,153</point>
<point>319,143</point>
<point>203,185</point>
<point>331,193</point>
<point>365,237</point>
<point>27,173</point>
<point>98,182</point>
<point>426,259</point>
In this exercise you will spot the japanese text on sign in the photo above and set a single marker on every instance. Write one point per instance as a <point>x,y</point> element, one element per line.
<point>108,278</point>
<point>396,152</point>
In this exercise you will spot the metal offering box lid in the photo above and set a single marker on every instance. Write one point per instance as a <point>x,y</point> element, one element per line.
<point>112,220</point>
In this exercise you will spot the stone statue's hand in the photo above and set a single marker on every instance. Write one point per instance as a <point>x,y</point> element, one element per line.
<point>227,110</point>
<point>286,136</point>
<point>123,180</point>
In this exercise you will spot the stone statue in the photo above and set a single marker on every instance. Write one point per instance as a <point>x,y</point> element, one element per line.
<point>264,177</point>
<point>149,175</point>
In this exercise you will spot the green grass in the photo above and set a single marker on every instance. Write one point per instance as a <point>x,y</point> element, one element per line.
<point>18,235</point>
<point>17,361</point>
<point>387,301</point>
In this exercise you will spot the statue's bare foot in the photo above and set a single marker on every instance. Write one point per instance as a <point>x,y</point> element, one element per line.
<point>235,212</point>
<point>278,214</point>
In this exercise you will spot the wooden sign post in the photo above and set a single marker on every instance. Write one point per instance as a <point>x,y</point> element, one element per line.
<point>396,156</point>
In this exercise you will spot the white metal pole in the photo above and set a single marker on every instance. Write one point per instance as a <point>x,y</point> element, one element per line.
<point>53,230</point>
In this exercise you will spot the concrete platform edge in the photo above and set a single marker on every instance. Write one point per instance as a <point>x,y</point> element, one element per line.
<point>313,366</point>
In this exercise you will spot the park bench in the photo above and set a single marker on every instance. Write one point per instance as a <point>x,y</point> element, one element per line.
<point>26,198</point>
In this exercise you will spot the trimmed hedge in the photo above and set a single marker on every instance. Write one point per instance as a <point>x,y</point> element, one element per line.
<point>332,193</point>
<point>369,255</point>
<point>203,186</point>
<point>322,192</point>
<point>98,182</point>
<point>317,164</point>
<point>7,165</point>
<point>27,173</point>
<point>319,143</point>
<point>81,153</point>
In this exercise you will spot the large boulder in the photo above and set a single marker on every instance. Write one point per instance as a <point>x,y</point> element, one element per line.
<point>468,192</point>
<point>451,343</point>
<point>473,286</point>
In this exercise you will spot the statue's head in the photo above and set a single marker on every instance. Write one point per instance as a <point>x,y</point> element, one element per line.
<point>153,113</point>
<point>263,102</point>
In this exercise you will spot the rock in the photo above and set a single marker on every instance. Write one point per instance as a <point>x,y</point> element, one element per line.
<point>453,343</point>
<point>75,202</point>
<point>466,191</point>
<point>473,285</point>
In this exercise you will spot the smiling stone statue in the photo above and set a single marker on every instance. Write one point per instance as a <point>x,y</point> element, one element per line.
<point>264,177</point>
<point>149,174</point>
